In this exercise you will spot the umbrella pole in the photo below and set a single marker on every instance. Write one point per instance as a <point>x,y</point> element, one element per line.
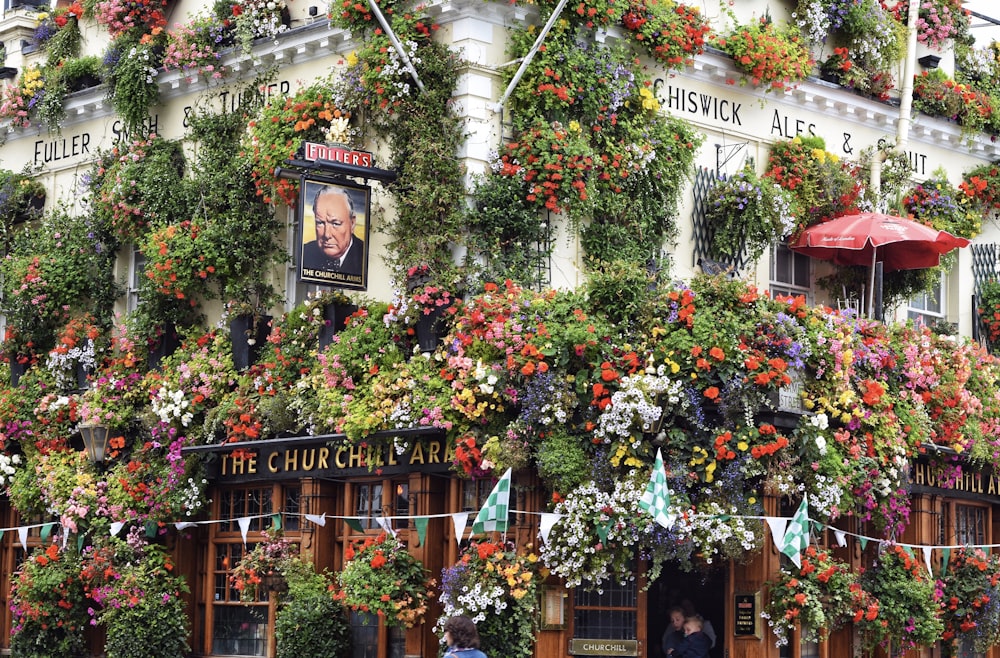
<point>871,284</point>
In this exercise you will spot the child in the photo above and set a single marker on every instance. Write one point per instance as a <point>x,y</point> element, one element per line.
<point>695,643</point>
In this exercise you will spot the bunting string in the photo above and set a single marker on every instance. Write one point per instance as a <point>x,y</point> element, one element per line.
<point>548,519</point>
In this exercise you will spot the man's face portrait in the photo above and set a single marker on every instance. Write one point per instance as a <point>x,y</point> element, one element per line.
<point>334,224</point>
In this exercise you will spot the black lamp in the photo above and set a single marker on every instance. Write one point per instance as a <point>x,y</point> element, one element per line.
<point>95,440</point>
<point>929,61</point>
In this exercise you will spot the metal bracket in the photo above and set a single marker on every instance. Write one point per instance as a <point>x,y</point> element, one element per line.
<point>726,152</point>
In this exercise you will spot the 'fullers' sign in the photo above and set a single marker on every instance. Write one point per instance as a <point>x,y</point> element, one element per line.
<point>322,460</point>
<point>313,151</point>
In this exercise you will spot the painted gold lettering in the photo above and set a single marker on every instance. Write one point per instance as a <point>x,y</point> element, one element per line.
<point>272,459</point>
<point>324,457</point>
<point>417,456</point>
<point>291,460</point>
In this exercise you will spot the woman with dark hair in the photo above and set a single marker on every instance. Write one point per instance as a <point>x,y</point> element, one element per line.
<point>462,638</point>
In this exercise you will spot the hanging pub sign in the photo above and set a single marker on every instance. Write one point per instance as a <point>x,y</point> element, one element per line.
<point>334,227</point>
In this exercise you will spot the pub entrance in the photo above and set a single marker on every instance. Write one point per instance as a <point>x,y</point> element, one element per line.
<point>702,590</point>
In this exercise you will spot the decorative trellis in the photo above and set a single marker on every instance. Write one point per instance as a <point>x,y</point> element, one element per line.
<point>985,267</point>
<point>703,232</point>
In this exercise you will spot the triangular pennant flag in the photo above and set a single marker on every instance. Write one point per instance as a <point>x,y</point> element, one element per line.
<point>945,556</point>
<point>927,559</point>
<point>656,499</point>
<point>22,534</point>
<point>777,525</point>
<point>116,527</point>
<point>184,525</point>
<point>65,539</point>
<point>318,519</point>
<point>421,523</point>
<point>46,531</point>
<point>545,525</point>
<point>493,516</point>
<point>385,524</point>
<point>79,543</point>
<point>244,523</point>
<point>354,524</point>
<point>275,522</point>
<point>796,538</point>
<point>459,519</point>
<point>863,541</point>
<point>603,529</point>
<point>841,537</point>
<point>152,527</point>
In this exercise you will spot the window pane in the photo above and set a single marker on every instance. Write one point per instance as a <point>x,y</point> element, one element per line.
<point>239,630</point>
<point>401,505</point>
<point>364,635</point>
<point>970,524</point>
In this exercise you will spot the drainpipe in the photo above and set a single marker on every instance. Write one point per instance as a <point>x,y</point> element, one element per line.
<point>902,128</point>
<point>905,98</point>
<point>396,44</point>
<point>531,55</point>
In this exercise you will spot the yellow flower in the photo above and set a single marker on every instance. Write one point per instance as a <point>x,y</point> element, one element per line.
<point>352,58</point>
<point>574,126</point>
<point>649,101</point>
<point>518,594</point>
<point>742,446</point>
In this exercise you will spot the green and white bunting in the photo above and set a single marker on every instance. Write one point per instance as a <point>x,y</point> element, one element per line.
<point>656,499</point>
<point>493,516</point>
<point>796,538</point>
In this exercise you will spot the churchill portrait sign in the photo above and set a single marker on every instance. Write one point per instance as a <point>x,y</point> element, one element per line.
<point>334,234</point>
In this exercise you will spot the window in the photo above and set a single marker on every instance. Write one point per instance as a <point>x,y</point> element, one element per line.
<point>608,614</point>
<point>238,629</point>
<point>970,525</point>
<point>136,266</point>
<point>401,503</point>
<point>368,503</point>
<point>474,495</point>
<point>927,308</point>
<point>789,272</point>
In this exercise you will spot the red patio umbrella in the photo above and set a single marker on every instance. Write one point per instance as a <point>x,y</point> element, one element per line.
<point>871,237</point>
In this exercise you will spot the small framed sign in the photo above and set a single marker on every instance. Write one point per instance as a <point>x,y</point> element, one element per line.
<point>747,608</point>
<point>553,608</point>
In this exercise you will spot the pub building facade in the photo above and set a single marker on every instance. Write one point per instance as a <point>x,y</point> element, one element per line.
<point>292,477</point>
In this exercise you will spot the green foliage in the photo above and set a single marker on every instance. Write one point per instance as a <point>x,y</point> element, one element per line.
<point>820,597</point>
<point>382,577</point>
<point>769,55</point>
<point>563,462</point>
<point>225,203</point>
<point>49,605</point>
<point>969,611</point>
<point>621,290</point>
<point>132,86</point>
<point>310,623</point>
<point>57,269</point>
<point>139,185</point>
<point>508,237</point>
<point>748,215</point>
<point>143,611</point>
<point>19,194</point>
<point>908,613</point>
<point>822,186</point>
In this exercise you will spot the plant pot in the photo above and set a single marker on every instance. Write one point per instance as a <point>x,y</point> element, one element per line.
<point>431,328</point>
<point>274,582</point>
<point>163,345</point>
<point>335,319</point>
<point>82,373</point>
<point>84,82</point>
<point>17,370</point>
<point>248,333</point>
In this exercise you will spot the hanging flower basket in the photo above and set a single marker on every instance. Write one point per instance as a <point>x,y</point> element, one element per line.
<point>248,334</point>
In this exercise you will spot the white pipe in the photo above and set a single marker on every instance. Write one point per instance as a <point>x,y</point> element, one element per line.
<point>526,61</point>
<point>396,44</point>
<point>906,91</point>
